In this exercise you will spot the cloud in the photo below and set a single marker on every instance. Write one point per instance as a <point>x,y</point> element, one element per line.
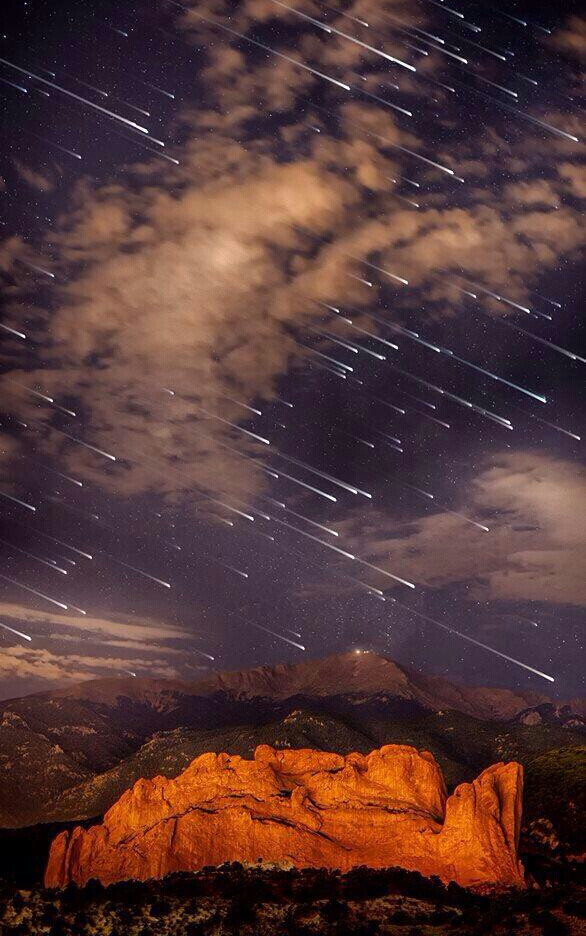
<point>95,628</point>
<point>34,179</point>
<point>572,38</point>
<point>22,663</point>
<point>535,550</point>
<point>148,647</point>
<point>198,283</point>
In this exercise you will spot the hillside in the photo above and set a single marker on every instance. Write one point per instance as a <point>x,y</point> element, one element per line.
<point>91,741</point>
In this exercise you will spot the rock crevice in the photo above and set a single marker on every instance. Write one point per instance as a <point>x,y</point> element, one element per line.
<point>305,808</point>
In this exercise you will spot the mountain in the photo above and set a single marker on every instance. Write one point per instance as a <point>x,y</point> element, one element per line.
<point>69,754</point>
<point>356,672</point>
<point>305,808</point>
<point>366,673</point>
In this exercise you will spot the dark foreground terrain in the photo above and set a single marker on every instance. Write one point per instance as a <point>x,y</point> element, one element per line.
<point>66,756</point>
<point>237,901</point>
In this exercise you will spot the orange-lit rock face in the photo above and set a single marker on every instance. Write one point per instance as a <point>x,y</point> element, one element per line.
<point>305,809</point>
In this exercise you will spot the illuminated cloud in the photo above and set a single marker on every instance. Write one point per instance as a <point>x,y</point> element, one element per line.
<point>535,549</point>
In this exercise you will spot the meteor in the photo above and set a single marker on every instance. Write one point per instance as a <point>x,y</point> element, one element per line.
<point>98,107</point>
<point>156,88</point>
<point>301,517</point>
<point>351,324</point>
<point>310,536</point>
<point>280,636</point>
<point>482,370</point>
<point>42,396</point>
<point>439,422</point>
<point>500,87</point>
<point>91,87</point>
<point>228,507</point>
<point>237,571</point>
<point>478,643</point>
<point>139,571</point>
<point>253,435</point>
<point>139,110</point>
<point>303,484</point>
<point>295,634</point>
<point>551,425</point>
<point>13,631</point>
<point>327,357</point>
<point>373,266</point>
<point>353,39</point>
<point>12,331</point>
<point>260,45</point>
<point>85,444</point>
<point>53,539</point>
<point>33,266</point>
<point>13,85</point>
<point>244,405</point>
<point>24,552</point>
<point>544,341</point>
<point>34,592</point>
<point>374,592</point>
<point>455,513</point>
<point>17,501</point>
<point>58,146</point>
<point>500,420</point>
<point>343,344</point>
<point>384,572</point>
<point>323,474</point>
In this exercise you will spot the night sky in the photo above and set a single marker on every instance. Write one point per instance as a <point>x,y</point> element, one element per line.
<point>232,224</point>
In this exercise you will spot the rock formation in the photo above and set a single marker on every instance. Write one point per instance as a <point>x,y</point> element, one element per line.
<point>305,808</point>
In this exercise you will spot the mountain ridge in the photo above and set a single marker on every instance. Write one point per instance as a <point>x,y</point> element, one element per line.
<point>68,754</point>
<point>364,670</point>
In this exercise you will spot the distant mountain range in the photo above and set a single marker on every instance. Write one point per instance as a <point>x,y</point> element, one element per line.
<point>69,754</point>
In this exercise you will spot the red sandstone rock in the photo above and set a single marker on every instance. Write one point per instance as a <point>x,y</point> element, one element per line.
<point>305,808</point>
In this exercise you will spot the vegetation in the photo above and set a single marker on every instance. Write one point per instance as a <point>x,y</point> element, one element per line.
<point>555,795</point>
<point>239,901</point>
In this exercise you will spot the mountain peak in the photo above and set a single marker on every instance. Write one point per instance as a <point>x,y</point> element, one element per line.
<point>355,671</point>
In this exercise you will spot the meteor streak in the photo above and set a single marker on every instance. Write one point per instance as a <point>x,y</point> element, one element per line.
<point>52,565</point>
<point>544,341</point>
<point>17,501</point>
<point>384,572</point>
<point>85,444</point>
<point>551,425</point>
<point>244,405</point>
<point>233,425</point>
<point>53,539</point>
<point>139,571</point>
<point>160,90</point>
<point>260,45</point>
<point>301,517</point>
<point>13,631</point>
<point>478,643</point>
<point>310,536</point>
<point>12,331</point>
<point>51,84</point>
<point>280,636</point>
<point>34,592</point>
<point>353,39</point>
<point>323,474</point>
